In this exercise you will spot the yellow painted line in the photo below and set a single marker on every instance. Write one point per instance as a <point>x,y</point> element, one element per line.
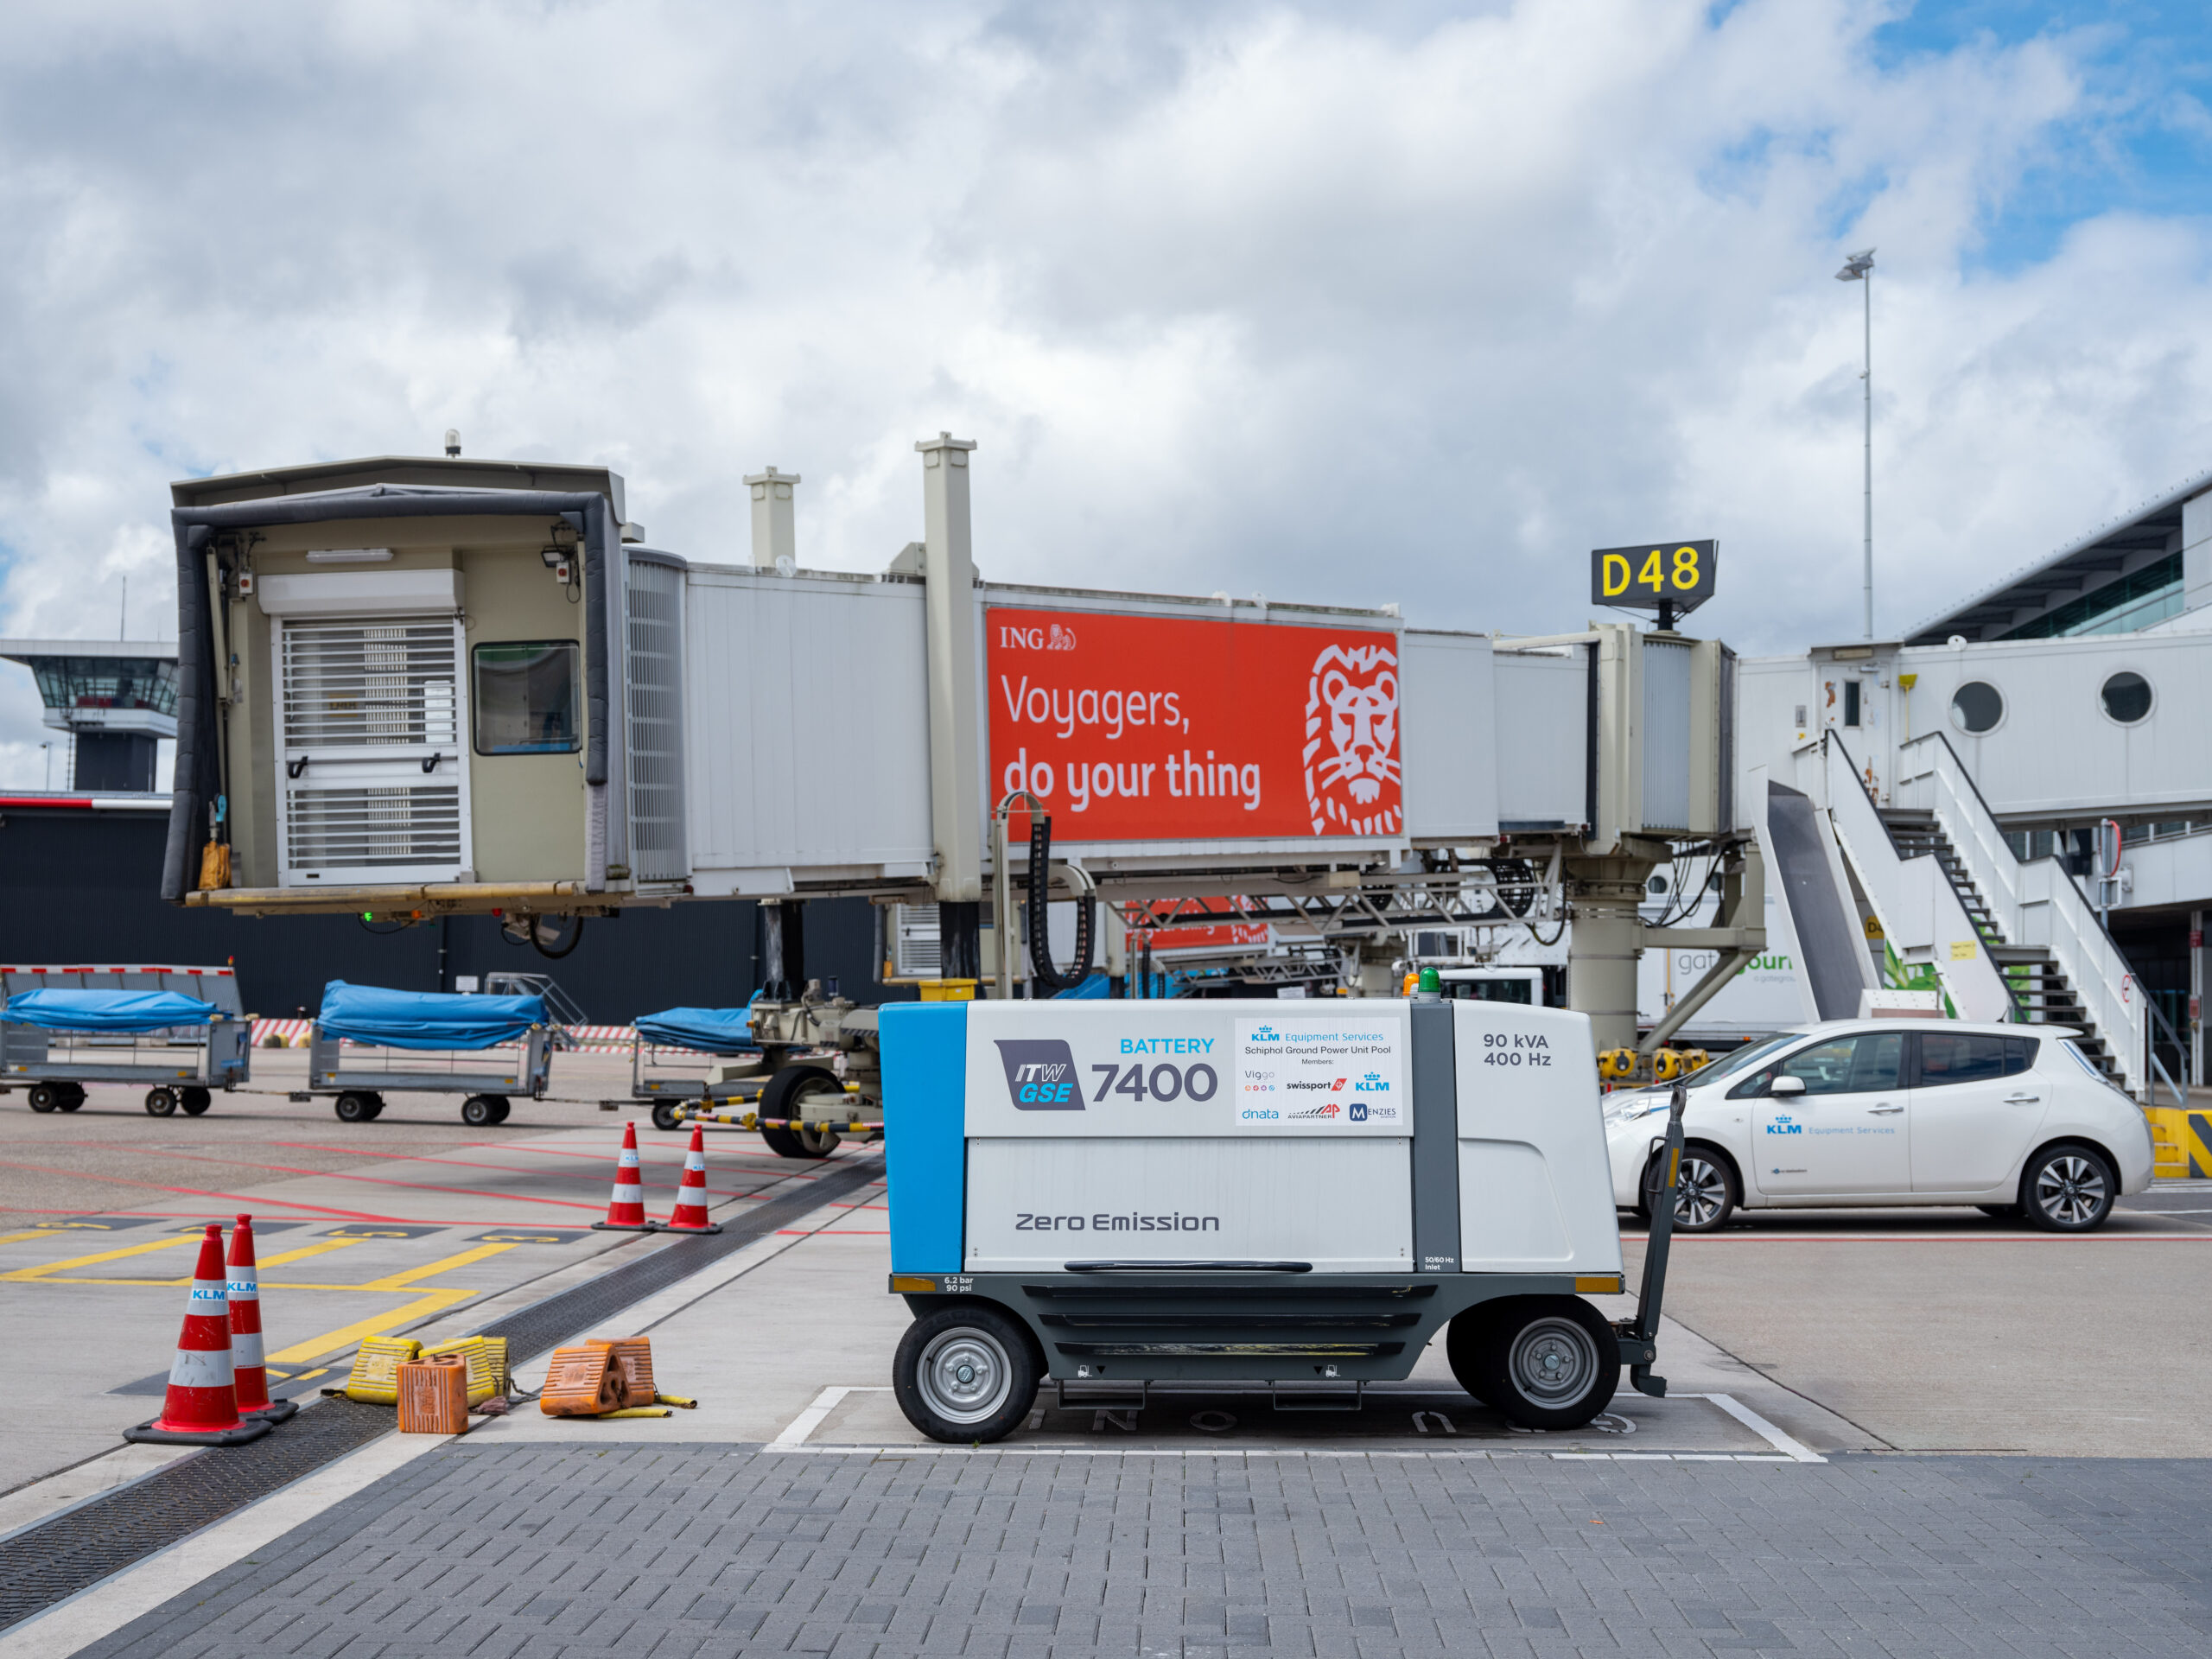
<point>94,1261</point>
<point>305,1251</point>
<point>36,1232</point>
<point>346,1336</point>
<point>400,1280</point>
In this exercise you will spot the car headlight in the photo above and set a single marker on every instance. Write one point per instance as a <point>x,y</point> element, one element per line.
<point>1634,1108</point>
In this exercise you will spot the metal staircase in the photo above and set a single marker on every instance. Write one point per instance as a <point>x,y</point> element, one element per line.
<point>2042,994</point>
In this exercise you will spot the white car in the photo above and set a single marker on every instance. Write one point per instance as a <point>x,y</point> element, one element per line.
<point>2014,1120</point>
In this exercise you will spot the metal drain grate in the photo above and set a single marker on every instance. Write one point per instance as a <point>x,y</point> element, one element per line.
<point>79,1547</point>
<point>53,1560</point>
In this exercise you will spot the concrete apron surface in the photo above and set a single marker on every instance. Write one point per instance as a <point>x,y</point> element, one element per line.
<point>422,1246</point>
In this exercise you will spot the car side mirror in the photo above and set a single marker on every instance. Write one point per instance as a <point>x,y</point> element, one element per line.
<point>1786,1085</point>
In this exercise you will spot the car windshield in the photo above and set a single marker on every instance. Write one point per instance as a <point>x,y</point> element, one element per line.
<point>1750,1054</point>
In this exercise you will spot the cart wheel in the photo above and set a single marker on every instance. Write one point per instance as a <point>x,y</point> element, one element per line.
<point>197,1101</point>
<point>966,1374</point>
<point>376,1107</point>
<point>664,1117</point>
<point>785,1096</point>
<point>1547,1362</point>
<point>505,1105</point>
<point>45,1098</point>
<point>72,1096</point>
<point>352,1107</point>
<point>160,1103</point>
<point>480,1111</point>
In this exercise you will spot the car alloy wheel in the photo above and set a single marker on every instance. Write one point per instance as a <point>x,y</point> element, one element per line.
<point>2071,1190</point>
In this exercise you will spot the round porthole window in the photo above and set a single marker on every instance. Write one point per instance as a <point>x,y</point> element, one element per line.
<point>1976,707</point>
<point>2127,697</point>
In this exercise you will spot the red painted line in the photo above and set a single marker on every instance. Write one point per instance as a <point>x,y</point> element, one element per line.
<point>370,1180</point>
<point>196,1192</point>
<point>768,1159</point>
<point>462,1163</point>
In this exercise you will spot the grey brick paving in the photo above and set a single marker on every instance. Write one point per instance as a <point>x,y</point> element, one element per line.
<point>683,1552</point>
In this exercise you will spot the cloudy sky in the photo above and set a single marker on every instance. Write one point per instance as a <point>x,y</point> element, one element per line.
<point>1393,302</point>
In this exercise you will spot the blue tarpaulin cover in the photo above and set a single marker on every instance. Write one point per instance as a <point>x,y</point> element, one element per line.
<point>715,1031</point>
<point>61,1010</point>
<point>365,1013</point>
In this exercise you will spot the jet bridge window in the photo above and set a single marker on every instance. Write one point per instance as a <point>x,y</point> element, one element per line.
<point>526,698</point>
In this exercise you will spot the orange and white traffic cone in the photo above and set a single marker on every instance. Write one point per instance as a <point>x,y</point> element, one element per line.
<point>249,1371</point>
<point>690,1215</point>
<point>200,1408</point>
<point>626,1211</point>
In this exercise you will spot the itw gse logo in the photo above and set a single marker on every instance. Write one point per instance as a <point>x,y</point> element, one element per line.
<point>1039,1074</point>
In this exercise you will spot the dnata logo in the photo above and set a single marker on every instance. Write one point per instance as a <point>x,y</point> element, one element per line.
<point>1040,1076</point>
<point>1267,1035</point>
<point>1372,1083</point>
<point>1785,1126</point>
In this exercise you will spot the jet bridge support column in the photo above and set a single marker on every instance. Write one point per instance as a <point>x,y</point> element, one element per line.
<point>1602,943</point>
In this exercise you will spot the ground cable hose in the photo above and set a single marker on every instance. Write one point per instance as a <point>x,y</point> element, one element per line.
<point>1040,940</point>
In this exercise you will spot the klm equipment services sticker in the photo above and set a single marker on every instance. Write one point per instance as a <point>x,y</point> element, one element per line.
<point>1304,1073</point>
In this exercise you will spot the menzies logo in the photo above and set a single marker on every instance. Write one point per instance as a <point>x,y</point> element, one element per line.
<point>1040,1075</point>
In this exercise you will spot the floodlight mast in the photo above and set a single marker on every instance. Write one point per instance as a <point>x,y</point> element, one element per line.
<point>1859,268</point>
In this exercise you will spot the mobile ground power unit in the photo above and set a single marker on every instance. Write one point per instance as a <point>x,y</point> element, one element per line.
<point>1120,1193</point>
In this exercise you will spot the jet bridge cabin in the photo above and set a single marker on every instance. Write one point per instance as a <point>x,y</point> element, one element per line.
<point>394,674</point>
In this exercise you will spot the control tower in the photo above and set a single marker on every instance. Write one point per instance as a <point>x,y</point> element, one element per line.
<point>116,699</point>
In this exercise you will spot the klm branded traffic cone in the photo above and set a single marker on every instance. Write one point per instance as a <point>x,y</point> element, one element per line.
<point>200,1408</point>
<point>249,1372</point>
<point>690,1215</point>
<point>626,1211</point>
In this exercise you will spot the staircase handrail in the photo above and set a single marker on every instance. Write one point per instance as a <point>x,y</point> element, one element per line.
<point>2079,939</point>
<point>2151,1052</point>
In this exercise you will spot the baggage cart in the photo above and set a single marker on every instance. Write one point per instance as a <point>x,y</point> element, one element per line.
<point>181,1048</point>
<point>1107,1195</point>
<point>367,1043</point>
<point>682,1058</point>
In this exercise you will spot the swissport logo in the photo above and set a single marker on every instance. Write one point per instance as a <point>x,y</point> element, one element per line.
<point>1040,1075</point>
<point>1352,741</point>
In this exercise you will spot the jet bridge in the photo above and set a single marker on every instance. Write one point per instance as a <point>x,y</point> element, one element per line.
<point>411,688</point>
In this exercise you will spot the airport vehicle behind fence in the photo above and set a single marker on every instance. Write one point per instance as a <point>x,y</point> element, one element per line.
<point>182,1048</point>
<point>1115,1194</point>
<point>368,1042</point>
<point>2014,1120</point>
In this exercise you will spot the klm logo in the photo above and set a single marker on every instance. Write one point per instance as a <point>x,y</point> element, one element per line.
<point>1785,1126</point>
<point>1372,1083</point>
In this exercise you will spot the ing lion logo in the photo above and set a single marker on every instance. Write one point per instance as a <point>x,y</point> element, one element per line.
<point>1352,741</point>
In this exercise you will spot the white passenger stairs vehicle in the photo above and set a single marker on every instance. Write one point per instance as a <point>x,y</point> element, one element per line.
<point>2008,939</point>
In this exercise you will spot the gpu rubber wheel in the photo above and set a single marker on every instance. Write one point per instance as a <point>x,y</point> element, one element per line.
<point>966,1374</point>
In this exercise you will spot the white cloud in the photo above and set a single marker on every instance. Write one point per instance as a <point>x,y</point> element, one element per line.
<point>1274,299</point>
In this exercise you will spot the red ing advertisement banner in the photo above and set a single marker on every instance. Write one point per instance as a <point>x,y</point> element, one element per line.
<point>1196,924</point>
<point>1160,729</point>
